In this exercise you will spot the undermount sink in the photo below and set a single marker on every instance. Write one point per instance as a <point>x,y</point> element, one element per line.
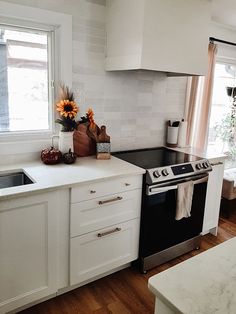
<point>8,180</point>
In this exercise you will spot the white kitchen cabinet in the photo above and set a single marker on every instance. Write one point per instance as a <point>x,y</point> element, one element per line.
<point>104,211</point>
<point>161,35</point>
<point>102,250</point>
<point>213,198</point>
<point>105,227</point>
<point>33,248</point>
<point>106,187</point>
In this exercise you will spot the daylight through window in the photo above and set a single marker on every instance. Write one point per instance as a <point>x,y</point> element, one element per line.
<point>222,120</point>
<point>24,77</point>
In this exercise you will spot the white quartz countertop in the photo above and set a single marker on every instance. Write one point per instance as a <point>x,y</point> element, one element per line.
<point>85,170</point>
<point>211,155</point>
<point>205,283</point>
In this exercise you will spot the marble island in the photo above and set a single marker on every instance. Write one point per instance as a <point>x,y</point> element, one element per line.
<point>203,284</point>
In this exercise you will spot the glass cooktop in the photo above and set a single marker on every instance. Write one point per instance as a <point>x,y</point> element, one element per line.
<point>155,157</point>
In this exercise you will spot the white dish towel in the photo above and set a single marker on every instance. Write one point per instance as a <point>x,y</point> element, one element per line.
<point>184,200</point>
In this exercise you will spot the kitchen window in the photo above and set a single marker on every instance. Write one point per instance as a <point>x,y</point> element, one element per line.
<point>224,76</point>
<point>26,75</point>
<point>38,45</point>
<point>222,122</point>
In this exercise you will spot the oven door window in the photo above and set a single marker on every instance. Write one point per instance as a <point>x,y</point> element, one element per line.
<point>160,230</point>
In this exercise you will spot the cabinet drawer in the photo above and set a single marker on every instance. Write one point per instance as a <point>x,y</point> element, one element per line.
<point>98,189</point>
<point>98,252</point>
<point>104,211</point>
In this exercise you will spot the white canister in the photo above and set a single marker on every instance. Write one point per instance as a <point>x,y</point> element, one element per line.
<point>66,141</point>
<point>172,135</point>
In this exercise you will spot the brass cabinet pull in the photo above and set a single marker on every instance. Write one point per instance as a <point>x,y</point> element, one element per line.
<point>102,234</point>
<point>217,163</point>
<point>118,198</point>
<point>92,191</point>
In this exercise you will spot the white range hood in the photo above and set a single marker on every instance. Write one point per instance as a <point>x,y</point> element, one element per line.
<point>161,35</point>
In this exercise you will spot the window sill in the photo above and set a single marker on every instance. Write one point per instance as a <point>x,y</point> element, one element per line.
<point>25,136</point>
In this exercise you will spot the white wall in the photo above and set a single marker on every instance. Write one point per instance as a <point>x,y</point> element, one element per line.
<point>133,105</point>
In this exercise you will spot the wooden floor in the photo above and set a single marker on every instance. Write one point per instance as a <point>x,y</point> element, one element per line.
<point>126,291</point>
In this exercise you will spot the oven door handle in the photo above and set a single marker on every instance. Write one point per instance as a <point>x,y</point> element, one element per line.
<point>162,189</point>
<point>155,190</point>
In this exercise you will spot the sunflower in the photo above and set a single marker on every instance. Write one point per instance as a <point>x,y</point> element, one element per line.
<point>90,115</point>
<point>67,108</point>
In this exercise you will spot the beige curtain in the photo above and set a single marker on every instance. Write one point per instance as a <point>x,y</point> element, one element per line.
<point>199,104</point>
<point>193,83</point>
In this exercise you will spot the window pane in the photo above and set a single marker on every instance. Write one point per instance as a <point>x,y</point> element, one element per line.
<point>24,98</point>
<point>222,119</point>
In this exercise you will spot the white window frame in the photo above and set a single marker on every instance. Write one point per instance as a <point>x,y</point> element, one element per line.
<point>49,30</point>
<point>61,26</point>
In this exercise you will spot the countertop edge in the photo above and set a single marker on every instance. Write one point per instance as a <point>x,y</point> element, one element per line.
<point>163,298</point>
<point>87,162</point>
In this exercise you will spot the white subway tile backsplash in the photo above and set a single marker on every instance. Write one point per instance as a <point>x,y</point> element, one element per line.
<point>134,105</point>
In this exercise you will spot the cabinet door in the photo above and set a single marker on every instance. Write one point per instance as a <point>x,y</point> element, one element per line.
<point>97,252</point>
<point>213,197</point>
<point>28,250</point>
<point>104,211</point>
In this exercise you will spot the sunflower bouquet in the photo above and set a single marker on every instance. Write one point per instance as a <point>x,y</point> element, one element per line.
<point>67,109</point>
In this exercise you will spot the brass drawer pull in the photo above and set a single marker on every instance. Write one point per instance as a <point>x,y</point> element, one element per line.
<point>217,163</point>
<point>92,191</point>
<point>102,234</point>
<point>118,198</point>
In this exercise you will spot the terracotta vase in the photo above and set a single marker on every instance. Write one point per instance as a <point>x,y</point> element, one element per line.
<point>83,144</point>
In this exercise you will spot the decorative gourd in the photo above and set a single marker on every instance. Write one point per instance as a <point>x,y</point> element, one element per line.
<point>69,158</point>
<point>51,156</point>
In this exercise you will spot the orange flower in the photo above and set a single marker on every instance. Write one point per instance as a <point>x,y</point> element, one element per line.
<point>90,115</point>
<point>67,108</point>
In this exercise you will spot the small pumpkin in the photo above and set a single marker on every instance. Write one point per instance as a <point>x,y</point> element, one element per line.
<point>69,158</point>
<point>51,156</point>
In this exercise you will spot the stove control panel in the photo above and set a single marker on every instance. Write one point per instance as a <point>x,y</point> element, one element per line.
<point>171,172</point>
<point>165,172</point>
<point>156,174</point>
<point>202,165</point>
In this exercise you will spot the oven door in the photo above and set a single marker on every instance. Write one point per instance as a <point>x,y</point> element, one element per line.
<point>159,229</point>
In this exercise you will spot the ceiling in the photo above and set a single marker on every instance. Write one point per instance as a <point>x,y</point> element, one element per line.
<point>224,11</point>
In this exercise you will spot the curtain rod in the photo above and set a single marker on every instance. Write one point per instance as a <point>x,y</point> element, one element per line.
<point>212,39</point>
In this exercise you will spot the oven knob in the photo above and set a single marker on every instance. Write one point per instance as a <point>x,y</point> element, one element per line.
<point>165,172</point>
<point>198,166</point>
<point>156,174</point>
<point>205,165</point>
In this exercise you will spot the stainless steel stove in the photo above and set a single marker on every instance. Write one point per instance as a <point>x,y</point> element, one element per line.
<point>163,164</point>
<point>162,237</point>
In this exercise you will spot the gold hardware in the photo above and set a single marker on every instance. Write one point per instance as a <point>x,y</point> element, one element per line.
<point>118,198</point>
<point>217,163</point>
<point>92,191</point>
<point>102,234</point>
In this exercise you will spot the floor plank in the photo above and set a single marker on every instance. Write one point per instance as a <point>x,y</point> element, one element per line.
<point>125,292</point>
